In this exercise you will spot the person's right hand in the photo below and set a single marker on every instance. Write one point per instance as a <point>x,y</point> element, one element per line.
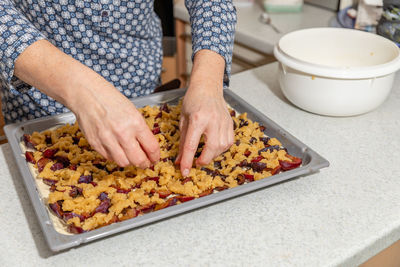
<point>115,128</point>
<point>110,122</point>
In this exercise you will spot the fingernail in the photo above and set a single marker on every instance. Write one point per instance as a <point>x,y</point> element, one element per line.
<point>145,166</point>
<point>185,172</point>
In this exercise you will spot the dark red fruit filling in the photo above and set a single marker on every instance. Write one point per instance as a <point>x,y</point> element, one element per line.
<point>289,165</point>
<point>75,229</point>
<point>103,196</point>
<point>257,159</point>
<point>156,130</point>
<point>104,205</point>
<point>240,179</point>
<point>49,182</point>
<point>87,179</point>
<point>29,157</point>
<point>28,142</point>
<point>170,202</point>
<point>147,208</point>
<point>49,153</point>
<point>165,108</point>
<point>184,198</point>
<point>164,193</point>
<point>248,177</point>
<point>57,166</point>
<point>75,192</point>
<point>42,163</point>
<point>56,208</point>
<point>206,193</point>
<point>258,166</point>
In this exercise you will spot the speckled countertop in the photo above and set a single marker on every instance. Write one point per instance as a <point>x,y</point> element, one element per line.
<point>261,37</point>
<point>342,215</point>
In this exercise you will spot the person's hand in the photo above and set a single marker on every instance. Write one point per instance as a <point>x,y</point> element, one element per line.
<point>115,128</point>
<point>204,112</point>
<point>110,122</point>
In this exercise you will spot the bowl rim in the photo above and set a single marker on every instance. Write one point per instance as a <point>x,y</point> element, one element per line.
<point>338,72</point>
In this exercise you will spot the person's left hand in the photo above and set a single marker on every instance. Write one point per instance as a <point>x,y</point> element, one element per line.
<point>204,112</point>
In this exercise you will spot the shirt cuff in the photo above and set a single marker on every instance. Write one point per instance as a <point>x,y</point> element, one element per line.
<point>16,34</point>
<point>213,27</point>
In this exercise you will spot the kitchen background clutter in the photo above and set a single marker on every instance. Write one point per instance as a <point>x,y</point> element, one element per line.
<point>261,23</point>
<point>277,6</point>
<point>389,23</point>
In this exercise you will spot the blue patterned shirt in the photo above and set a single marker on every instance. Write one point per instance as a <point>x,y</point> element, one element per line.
<point>119,39</point>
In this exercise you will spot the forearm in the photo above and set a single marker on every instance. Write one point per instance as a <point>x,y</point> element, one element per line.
<point>212,27</point>
<point>58,75</point>
<point>208,70</point>
<point>110,122</point>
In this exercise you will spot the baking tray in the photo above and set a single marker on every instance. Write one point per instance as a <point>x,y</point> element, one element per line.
<point>56,241</point>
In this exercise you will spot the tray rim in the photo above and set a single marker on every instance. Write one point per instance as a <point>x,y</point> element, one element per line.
<point>58,241</point>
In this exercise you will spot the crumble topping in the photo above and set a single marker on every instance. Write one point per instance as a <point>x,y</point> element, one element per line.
<point>88,191</point>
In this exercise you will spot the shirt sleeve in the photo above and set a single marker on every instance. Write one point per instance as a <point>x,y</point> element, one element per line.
<point>16,34</point>
<point>213,27</point>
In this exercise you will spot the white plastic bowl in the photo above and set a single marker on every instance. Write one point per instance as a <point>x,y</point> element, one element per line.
<point>336,72</point>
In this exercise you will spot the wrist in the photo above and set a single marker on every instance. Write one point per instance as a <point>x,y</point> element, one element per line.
<point>90,93</point>
<point>208,70</point>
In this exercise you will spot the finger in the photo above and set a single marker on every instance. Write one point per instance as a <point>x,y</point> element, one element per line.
<point>149,143</point>
<point>102,151</point>
<point>114,149</point>
<point>212,147</point>
<point>183,130</point>
<point>231,134</point>
<point>136,155</point>
<point>96,145</point>
<point>226,136</point>
<point>94,141</point>
<point>191,142</point>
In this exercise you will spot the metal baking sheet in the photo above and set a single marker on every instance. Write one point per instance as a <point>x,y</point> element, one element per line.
<point>312,162</point>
